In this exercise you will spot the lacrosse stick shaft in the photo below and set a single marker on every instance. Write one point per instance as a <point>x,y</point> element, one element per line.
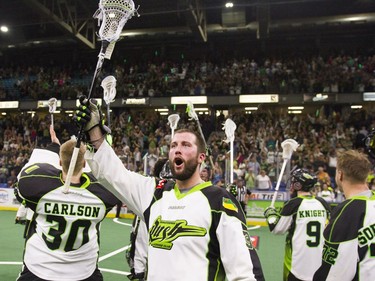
<point>278,182</point>
<point>145,164</point>
<point>172,133</point>
<point>205,144</point>
<point>109,115</point>
<point>72,165</point>
<point>231,162</point>
<point>99,65</point>
<point>73,160</point>
<point>52,120</point>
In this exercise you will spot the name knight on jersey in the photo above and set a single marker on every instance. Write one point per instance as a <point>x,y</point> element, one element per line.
<point>311,213</point>
<point>71,209</point>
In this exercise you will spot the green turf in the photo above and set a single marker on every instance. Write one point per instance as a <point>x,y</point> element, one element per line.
<point>115,236</point>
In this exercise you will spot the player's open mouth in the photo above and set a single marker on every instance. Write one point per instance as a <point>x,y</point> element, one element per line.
<point>178,162</point>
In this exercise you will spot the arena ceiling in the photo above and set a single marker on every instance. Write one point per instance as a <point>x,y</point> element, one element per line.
<point>40,22</point>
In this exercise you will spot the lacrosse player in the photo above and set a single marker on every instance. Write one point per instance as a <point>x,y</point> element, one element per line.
<point>62,241</point>
<point>136,254</point>
<point>304,218</point>
<point>349,238</point>
<point>196,230</point>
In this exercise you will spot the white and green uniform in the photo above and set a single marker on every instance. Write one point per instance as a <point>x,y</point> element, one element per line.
<point>63,239</point>
<point>349,248</point>
<point>304,218</point>
<point>197,235</point>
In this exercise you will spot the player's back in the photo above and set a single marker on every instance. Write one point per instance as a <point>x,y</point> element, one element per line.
<point>305,236</point>
<point>66,226</point>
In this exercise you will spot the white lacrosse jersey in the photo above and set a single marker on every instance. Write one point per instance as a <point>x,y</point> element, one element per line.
<point>349,248</point>
<point>304,218</point>
<point>63,240</point>
<point>197,235</point>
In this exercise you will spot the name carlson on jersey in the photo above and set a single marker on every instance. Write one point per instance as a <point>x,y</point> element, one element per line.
<point>71,210</point>
<point>311,213</point>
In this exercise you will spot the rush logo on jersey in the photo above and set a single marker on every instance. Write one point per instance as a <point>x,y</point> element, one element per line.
<point>163,233</point>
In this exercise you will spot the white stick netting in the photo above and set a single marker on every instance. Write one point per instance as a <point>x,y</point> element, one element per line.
<point>191,111</point>
<point>229,128</point>
<point>173,121</point>
<point>112,16</point>
<point>52,104</point>
<point>109,89</point>
<point>288,146</point>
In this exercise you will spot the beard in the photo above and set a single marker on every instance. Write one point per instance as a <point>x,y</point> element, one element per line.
<point>190,168</point>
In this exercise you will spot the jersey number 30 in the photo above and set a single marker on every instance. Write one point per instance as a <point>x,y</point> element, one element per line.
<point>71,243</point>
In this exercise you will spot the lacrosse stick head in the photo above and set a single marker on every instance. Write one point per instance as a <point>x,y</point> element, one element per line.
<point>229,127</point>
<point>113,14</point>
<point>288,146</point>
<point>173,121</point>
<point>109,86</point>
<point>52,103</point>
<point>191,111</point>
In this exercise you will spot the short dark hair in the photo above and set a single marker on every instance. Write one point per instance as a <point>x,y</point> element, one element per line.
<point>200,142</point>
<point>355,165</point>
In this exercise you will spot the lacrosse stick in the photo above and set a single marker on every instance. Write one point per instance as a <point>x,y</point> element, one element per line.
<point>193,115</point>
<point>112,16</point>
<point>288,146</point>
<point>52,103</point>
<point>109,86</point>
<point>173,121</point>
<point>229,127</point>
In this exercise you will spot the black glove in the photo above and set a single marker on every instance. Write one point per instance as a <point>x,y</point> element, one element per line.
<point>233,190</point>
<point>88,116</point>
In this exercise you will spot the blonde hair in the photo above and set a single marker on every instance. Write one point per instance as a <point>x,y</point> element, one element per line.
<point>66,151</point>
<point>355,165</point>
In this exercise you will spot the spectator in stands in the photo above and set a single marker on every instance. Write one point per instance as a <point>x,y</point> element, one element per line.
<point>205,174</point>
<point>323,176</point>
<point>250,179</point>
<point>263,182</point>
<point>326,192</point>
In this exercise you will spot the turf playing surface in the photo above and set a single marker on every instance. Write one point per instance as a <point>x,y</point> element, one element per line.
<point>114,240</point>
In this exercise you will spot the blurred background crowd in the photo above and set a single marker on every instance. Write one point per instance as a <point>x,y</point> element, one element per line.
<point>141,137</point>
<point>284,74</point>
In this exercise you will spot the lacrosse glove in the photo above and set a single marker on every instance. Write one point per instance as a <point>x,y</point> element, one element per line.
<point>272,217</point>
<point>88,116</point>
<point>233,190</point>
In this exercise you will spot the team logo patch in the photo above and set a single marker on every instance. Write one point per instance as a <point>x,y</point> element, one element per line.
<point>163,233</point>
<point>228,204</point>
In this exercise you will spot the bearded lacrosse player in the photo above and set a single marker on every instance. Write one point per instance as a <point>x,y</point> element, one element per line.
<point>197,231</point>
<point>304,217</point>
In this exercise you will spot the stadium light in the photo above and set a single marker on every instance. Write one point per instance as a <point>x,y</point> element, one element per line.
<point>192,99</point>
<point>4,28</point>
<point>229,5</point>
<point>296,107</point>
<point>272,98</point>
